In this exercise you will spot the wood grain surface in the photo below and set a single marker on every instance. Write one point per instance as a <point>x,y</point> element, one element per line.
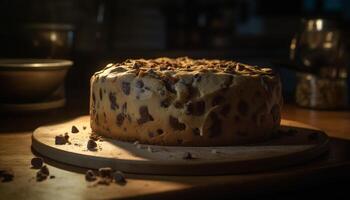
<point>15,154</point>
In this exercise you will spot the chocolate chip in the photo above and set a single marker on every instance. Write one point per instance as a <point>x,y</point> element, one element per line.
<point>91,145</point>
<point>215,128</point>
<point>75,129</point>
<point>139,84</point>
<point>160,131</point>
<point>90,175</point>
<point>37,162</point>
<point>126,87</point>
<point>52,177</point>
<point>217,100</point>
<point>113,100</point>
<point>84,127</point>
<point>60,140</point>
<point>105,172</point>
<point>225,110</point>
<point>195,108</point>
<point>6,175</point>
<point>40,176</point>
<point>243,107</point>
<point>144,115</point>
<point>196,131</point>
<point>120,119</point>
<point>187,156</point>
<point>119,178</point>
<point>165,103</point>
<point>175,124</point>
<point>45,170</point>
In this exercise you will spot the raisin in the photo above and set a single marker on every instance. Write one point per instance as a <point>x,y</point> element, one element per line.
<point>126,87</point>
<point>139,84</point>
<point>215,128</point>
<point>175,124</point>
<point>113,100</point>
<point>144,115</point>
<point>120,119</point>
<point>243,107</point>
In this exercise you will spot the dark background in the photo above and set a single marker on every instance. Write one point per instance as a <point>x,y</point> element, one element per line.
<point>102,31</point>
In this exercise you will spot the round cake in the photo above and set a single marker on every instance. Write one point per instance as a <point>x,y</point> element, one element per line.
<point>185,102</point>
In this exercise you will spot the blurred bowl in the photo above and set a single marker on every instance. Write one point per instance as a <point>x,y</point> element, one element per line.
<point>31,80</point>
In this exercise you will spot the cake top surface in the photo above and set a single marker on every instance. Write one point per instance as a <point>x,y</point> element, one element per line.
<point>166,65</point>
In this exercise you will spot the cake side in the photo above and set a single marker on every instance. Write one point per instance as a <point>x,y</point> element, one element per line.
<point>185,102</point>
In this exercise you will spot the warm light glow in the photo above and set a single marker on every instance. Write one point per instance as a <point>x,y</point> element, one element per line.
<point>53,37</point>
<point>319,24</point>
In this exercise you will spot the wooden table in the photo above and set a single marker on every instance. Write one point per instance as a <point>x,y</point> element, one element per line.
<point>308,180</point>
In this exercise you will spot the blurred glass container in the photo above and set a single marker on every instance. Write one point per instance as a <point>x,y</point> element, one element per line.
<point>321,93</point>
<point>318,48</point>
<point>48,40</point>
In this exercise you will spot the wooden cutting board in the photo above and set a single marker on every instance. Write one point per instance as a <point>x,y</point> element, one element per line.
<point>296,143</point>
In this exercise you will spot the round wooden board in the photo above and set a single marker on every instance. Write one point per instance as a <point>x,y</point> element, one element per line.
<point>286,149</point>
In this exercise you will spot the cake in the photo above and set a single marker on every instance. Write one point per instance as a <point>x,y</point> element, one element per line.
<point>185,102</point>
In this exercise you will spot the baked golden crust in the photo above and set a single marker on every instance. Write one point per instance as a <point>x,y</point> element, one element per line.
<point>185,102</point>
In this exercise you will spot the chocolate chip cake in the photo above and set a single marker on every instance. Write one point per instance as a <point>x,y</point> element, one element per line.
<point>185,102</point>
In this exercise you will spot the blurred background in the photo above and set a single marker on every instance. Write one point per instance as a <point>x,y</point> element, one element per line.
<point>93,33</point>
